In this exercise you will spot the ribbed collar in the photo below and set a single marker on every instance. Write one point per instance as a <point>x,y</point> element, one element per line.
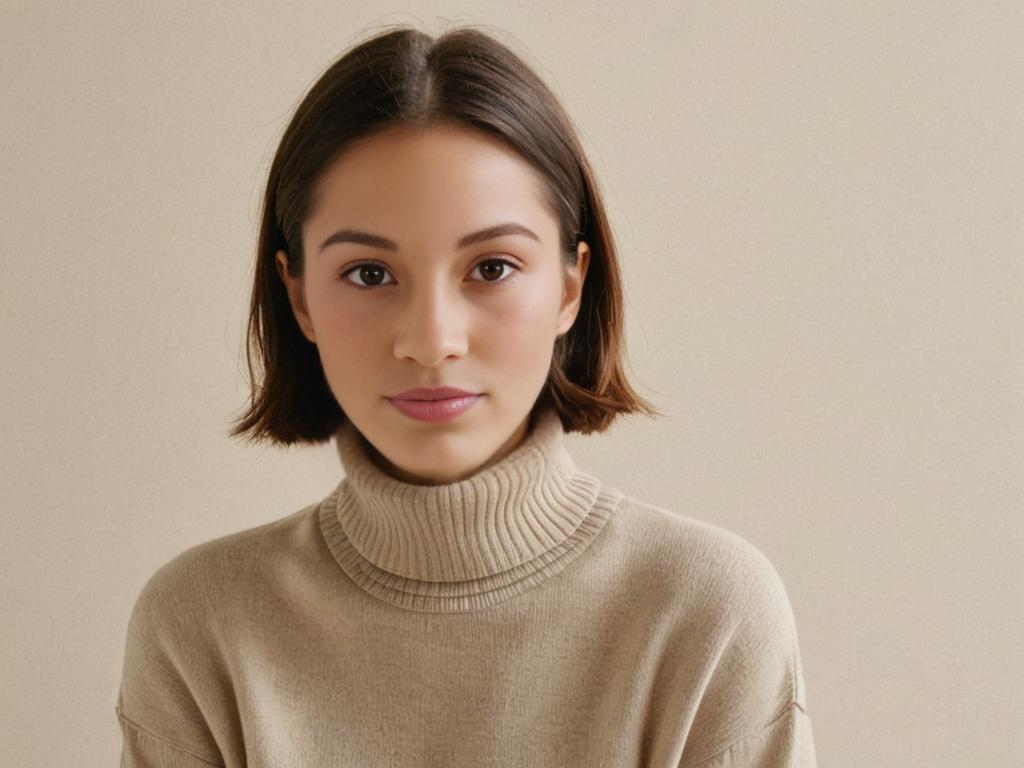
<point>467,544</point>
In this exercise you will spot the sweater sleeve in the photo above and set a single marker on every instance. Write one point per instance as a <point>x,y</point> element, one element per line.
<point>165,700</point>
<point>752,711</point>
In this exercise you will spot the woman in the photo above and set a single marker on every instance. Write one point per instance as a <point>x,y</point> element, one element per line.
<point>437,288</point>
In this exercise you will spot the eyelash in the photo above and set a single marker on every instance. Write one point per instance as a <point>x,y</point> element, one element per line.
<point>492,283</point>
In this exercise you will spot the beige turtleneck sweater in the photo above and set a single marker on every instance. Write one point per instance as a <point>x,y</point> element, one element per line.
<point>525,616</point>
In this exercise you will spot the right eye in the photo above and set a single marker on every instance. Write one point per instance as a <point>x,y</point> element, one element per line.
<point>368,267</point>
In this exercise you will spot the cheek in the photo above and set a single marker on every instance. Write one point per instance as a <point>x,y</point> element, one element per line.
<point>347,332</point>
<point>520,332</point>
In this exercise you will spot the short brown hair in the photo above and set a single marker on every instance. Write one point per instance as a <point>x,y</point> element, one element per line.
<point>464,77</point>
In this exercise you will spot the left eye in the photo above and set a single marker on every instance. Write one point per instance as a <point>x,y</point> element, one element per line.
<point>494,263</point>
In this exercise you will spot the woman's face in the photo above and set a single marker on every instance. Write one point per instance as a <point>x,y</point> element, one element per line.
<point>429,312</point>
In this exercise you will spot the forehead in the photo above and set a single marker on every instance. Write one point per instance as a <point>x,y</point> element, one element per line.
<point>430,176</point>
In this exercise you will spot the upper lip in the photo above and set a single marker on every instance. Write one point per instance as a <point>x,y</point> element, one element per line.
<point>429,393</point>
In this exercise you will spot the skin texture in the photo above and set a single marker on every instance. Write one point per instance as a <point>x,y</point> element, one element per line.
<point>434,314</point>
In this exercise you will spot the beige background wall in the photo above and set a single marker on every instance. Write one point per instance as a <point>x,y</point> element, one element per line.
<point>821,214</point>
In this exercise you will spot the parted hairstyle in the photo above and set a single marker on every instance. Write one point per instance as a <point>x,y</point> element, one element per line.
<point>403,76</point>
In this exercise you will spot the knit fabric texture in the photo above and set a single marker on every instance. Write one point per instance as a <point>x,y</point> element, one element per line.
<point>527,615</point>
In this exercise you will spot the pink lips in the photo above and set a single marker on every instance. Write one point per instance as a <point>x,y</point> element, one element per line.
<point>433,393</point>
<point>435,410</point>
<point>435,403</point>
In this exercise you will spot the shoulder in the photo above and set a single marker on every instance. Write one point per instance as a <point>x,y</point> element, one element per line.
<point>696,555</point>
<point>185,626</point>
<point>720,586</point>
<point>189,588</point>
<point>730,610</point>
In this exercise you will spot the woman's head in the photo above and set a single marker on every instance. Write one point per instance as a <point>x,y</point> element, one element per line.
<point>422,142</point>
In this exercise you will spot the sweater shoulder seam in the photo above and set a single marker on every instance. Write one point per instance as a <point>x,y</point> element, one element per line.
<point>784,712</point>
<point>148,733</point>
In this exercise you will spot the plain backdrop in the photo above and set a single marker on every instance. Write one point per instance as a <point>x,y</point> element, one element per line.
<point>820,208</point>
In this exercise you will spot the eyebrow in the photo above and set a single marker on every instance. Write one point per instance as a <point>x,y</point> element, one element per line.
<point>376,241</point>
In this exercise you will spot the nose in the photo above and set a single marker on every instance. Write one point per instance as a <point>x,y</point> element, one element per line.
<point>432,327</point>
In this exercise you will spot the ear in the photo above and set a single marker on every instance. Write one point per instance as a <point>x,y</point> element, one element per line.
<point>572,292</point>
<point>295,297</point>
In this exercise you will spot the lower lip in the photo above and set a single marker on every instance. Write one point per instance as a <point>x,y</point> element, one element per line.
<point>435,410</point>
